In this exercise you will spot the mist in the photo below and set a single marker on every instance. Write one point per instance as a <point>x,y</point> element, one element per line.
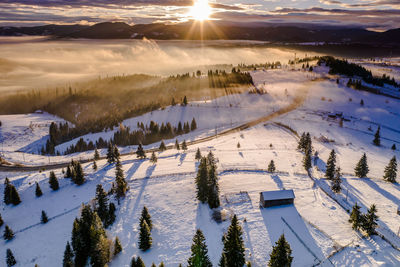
<point>33,63</point>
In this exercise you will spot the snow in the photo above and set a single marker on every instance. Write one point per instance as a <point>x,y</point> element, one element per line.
<point>316,226</point>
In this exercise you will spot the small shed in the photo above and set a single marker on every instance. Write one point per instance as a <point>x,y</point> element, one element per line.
<point>276,198</point>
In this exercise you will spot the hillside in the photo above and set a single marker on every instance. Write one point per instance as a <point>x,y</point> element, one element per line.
<point>316,226</point>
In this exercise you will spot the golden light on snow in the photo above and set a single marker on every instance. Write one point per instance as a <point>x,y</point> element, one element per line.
<point>200,10</point>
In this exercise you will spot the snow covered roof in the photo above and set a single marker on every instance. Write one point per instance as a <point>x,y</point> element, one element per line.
<point>276,195</point>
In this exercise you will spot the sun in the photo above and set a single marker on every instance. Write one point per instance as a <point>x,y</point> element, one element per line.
<point>200,10</point>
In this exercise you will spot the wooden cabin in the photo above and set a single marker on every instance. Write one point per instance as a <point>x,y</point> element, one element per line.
<point>276,198</point>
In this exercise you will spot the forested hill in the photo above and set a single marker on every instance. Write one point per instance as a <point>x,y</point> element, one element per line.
<point>212,31</point>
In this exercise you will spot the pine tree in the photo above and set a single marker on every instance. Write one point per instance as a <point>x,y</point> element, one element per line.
<point>153,158</point>
<point>161,264</point>
<point>301,144</point>
<point>369,223</point>
<point>117,246</point>
<point>10,258</point>
<point>80,176</point>
<point>145,217</point>
<point>15,199</point>
<point>145,240</point>
<point>68,173</point>
<point>96,154</point>
<point>198,154</point>
<point>356,217</point>
<point>233,245</point>
<point>101,206</point>
<point>307,159</point>
<point>111,214</point>
<point>38,191</point>
<point>202,180</point>
<point>377,137</point>
<point>362,169</point>
<point>1,221</point>
<point>213,188</point>
<point>53,181</point>
<point>223,261</point>
<point>117,155</point>
<point>199,256</point>
<point>362,102</point>
<point>94,165</point>
<point>271,167</point>
<point>68,260</point>
<point>184,146</point>
<point>121,184</point>
<point>162,146</point>
<point>331,166</point>
<point>44,219</point>
<point>281,254</point>
<point>8,233</point>
<point>394,147</point>
<point>193,125</point>
<point>140,152</point>
<point>391,171</point>
<point>336,181</point>
<point>110,154</point>
<point>7,191</point>
<point>177,144</point>
<point>137,262</point>
<point>184,101</point>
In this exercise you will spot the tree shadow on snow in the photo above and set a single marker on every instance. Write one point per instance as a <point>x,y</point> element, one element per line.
<point>182,158</point>
<point>132,170</point>
<point>303,245</point>
<point>278,181</point>
<point>381,191</point>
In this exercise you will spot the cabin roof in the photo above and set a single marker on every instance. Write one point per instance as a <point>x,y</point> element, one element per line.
<point>277,195</point>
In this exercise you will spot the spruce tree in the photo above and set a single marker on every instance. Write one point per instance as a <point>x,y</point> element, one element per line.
<point>121,184</point>
<point>362,169</point>
<point>7,191</point>
<point>184,146</point>
<point>53,181</point>
<point>137,262</point>
<point>68,173</point>
<point>238,145</point>
<point>336,181</point>
<point>38,191</point>
<point>161,264</point>
<point>80,176</point>
<point>68,260</point>
<point>198,154</point>
<point>44,219</point>
<point>394,147</point>
<point>301,143</point>
<point>145,240</point>
<point>111,214</point>
<point>202,180</point>
<point>10,260</point>
<point>117,246</point>
<point>193,125</point>
<point>223,261</point>
<point>331,166</point>
<point>145,217</point>
<point>153,158</point>
<point>281,254</point>
<point>15,199</point>
<point>177,144</point>
<point>1,221</point>
<point>307,159</point>
<point>101,205</point>
<point>94,165</point>
<point>110,153</point>
<point>117,155</point>
<point>271,167</point>
<point>356,217</point>
<point>233,245</point>
<point>140,152</point>
<point>213,188</point>
<point>199,256</point>
<point>184,101</point>
<point>369,223</point>
<point>8,233</point>
<point>96,154</point>
<point>391,171</point>
<point>377,137</point>
<point>162,146</point>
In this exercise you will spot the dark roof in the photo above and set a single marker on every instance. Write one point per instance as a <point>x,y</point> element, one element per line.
<point>276,195</point>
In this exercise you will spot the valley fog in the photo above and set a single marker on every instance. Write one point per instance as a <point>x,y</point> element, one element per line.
<point>32,63</point>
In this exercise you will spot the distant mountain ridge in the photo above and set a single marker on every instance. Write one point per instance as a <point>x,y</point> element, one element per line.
<point>213,31</point>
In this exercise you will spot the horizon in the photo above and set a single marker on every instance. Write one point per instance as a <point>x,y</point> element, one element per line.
<point>379,15</point>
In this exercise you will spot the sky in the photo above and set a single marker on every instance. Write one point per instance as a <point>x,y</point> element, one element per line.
<point>375,15</point>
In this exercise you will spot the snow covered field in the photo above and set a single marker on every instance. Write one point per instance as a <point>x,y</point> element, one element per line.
<point>316,226</point>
